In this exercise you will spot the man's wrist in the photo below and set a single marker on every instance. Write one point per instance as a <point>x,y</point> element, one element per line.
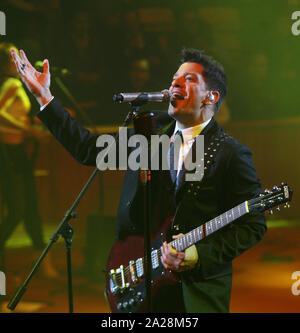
<point>44,106</point>
<point>45,98</point>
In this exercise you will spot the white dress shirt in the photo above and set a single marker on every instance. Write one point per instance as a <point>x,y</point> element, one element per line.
<point>189,135</point>
<point>43,107</point>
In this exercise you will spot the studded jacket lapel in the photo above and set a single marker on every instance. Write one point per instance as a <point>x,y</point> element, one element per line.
<point>208,132</point>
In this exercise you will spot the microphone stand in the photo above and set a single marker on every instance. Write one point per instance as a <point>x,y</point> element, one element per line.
<point>65,230</point>
<point>143,126</point>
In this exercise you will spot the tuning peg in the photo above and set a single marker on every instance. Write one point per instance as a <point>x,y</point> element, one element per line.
<point>266,191</point>
<point>271,212</point>
<point>287,205</point>
<point>275,188</point>
<point>278,208</point>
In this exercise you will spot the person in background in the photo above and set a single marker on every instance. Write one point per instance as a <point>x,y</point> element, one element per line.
<point>18,193</point>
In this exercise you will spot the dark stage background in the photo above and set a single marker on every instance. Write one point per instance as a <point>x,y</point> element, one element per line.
<point>127,45</point>
<point>101,41</point>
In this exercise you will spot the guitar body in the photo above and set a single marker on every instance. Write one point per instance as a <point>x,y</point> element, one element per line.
<point>132,297</point>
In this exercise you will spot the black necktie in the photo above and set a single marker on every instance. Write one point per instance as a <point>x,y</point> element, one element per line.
<point>174,154</point>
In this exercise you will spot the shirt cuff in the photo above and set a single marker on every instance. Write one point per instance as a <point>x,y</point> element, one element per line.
<point>43,107</point>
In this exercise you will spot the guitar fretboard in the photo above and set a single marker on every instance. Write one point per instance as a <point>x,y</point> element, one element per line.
<point>194,236</point>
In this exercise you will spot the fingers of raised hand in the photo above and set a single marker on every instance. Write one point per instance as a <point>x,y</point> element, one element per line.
<point>17,61</point>
<point>21,62</point>
<point>24,59</point>
<point>46,66</point>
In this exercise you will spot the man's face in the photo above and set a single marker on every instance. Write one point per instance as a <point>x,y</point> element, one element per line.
<point>189,91</point>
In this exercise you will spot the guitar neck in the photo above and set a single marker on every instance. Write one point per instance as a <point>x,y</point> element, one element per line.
<point>194,236</point>
<point>190,238</point>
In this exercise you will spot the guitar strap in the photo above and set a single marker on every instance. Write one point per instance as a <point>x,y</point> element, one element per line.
<point>210,154</point>
<point>193,188</point>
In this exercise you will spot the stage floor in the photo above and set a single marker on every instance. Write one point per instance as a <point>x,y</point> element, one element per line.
<point>262,281</point>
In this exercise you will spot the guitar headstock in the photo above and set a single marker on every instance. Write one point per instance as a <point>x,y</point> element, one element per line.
<point>268,199</point>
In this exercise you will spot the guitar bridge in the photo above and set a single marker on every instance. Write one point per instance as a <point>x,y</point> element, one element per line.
<point>117,280</point>
<point>114,287</point>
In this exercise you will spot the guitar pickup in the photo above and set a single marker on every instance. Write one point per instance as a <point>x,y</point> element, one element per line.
<point>140,267</point>
<point>155,259</point>
<point>132,268</point>
<point>121,271</point>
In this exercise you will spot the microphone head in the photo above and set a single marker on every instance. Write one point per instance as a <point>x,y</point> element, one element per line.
<point>162,96</point>
<point>118,98</point>
<point>167,95</point>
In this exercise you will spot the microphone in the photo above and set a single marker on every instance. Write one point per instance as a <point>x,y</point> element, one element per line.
<point>162,96</point>
<point>57,70</point>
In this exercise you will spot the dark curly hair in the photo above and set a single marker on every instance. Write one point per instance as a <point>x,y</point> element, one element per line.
<point>213,72</point>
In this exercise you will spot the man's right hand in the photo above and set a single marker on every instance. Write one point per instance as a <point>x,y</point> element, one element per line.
<point>37,83</point>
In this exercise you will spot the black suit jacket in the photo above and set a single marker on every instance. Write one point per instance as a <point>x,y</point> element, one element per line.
<point>229,180</point>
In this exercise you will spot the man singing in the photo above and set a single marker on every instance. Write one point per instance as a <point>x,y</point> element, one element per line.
<point>205,269</point>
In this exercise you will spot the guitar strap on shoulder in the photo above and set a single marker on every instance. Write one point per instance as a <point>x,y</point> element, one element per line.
<point>192,188</point>
<point>210,153</point>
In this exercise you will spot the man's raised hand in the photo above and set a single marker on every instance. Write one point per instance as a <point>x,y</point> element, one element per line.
<point>37,83</point>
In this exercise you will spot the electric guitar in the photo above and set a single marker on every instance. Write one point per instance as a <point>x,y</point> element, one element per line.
<point>125,283</point>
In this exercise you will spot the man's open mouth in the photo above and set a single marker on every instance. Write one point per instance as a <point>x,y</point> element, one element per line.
<point>177,95</point>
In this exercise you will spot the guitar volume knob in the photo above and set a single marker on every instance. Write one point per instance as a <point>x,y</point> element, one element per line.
<point>131,301</point>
